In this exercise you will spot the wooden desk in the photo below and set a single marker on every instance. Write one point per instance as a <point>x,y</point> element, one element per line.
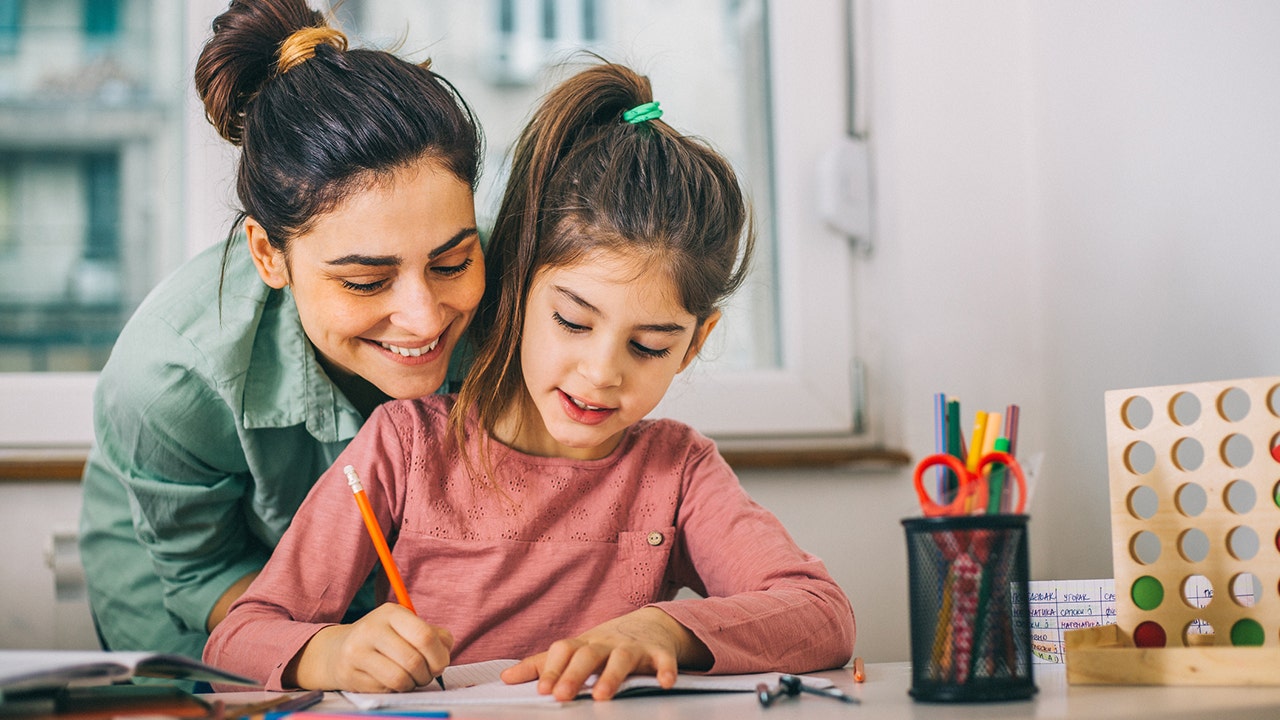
<point>884,697</point>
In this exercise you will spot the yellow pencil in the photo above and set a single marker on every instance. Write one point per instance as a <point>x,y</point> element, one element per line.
<point>976,440</point>
<point>975,451</point>
<point>995,425</point>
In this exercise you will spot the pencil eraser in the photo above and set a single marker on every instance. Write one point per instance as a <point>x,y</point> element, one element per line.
<point>352,479</point>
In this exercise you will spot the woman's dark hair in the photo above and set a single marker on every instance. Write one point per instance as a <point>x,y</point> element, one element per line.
<point>315,121</point>
<point>583,180</point>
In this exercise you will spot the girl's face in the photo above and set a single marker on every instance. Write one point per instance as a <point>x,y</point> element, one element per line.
<point>386,283</point>
<point>602,341</point>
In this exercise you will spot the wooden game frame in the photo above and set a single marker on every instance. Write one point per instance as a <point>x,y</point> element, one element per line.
<point>1233,425</point>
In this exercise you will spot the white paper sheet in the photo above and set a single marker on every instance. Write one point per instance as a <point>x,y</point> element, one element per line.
<point>479,684</point>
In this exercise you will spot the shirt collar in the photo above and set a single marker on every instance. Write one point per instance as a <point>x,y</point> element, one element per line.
<point>284,383</point>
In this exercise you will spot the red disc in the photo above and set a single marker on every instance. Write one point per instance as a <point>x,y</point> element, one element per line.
<point>1149,634</point>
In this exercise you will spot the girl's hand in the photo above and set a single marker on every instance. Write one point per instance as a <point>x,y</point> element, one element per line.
<point>388,650</point>
<point>647,641</point>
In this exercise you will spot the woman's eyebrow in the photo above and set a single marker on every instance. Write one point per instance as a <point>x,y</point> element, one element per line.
<point>393,260</point>
<point>453,242</point>
<point>667,328</point>
<point>366,260</point>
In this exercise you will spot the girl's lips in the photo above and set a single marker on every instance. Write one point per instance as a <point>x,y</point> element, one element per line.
<point>590,415</point>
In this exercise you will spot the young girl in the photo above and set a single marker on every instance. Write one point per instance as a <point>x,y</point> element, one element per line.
<point>557,523</point>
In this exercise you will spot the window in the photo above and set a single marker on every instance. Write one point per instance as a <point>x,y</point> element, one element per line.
<point>765,85</point>
<point>90,111</point>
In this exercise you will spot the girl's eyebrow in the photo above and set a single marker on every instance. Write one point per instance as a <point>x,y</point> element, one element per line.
<point>666,328</point>
<point>393,260</point>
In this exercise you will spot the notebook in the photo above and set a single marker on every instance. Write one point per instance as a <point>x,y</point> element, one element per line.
<point>479,684</point>
<point>23,672</point>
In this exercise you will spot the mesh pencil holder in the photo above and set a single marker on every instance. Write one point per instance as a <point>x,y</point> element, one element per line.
<point>970,618</point>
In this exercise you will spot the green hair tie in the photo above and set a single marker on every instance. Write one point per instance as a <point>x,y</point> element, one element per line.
<point>643,113</point>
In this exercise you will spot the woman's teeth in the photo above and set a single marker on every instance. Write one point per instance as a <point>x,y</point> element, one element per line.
<point>410,352</point>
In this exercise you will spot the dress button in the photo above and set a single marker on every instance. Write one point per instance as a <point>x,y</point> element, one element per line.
<point>655,538</point>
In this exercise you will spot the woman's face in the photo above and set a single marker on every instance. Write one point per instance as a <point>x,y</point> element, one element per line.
<point>386,283</point>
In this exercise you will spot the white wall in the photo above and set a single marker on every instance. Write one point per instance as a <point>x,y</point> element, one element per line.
<point>1072,197</point>
<point>42,594</point>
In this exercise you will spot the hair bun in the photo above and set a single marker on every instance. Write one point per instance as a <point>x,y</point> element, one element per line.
<point>301,46</point>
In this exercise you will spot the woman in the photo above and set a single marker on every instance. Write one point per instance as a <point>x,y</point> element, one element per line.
<point>349,279</point>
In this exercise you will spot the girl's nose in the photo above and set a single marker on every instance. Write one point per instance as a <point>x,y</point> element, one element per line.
<point>600,367</point>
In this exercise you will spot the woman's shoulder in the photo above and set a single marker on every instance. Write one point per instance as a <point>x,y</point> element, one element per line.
<point>193,335</point>
<point>197,316</point>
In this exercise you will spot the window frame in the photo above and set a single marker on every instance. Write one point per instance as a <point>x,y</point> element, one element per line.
<point>811,395</point>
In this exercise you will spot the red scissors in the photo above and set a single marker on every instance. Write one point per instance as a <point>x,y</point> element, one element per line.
<point>972,484</point>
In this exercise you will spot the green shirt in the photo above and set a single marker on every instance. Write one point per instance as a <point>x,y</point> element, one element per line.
<point>213,418</point>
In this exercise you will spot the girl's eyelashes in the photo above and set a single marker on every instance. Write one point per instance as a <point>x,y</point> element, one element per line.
<point>650,352</point>
<point>571,327</point>
<point>641,350</point>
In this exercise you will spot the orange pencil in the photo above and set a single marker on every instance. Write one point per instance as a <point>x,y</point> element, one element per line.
<point>379,542</point>
<point>859,672</point>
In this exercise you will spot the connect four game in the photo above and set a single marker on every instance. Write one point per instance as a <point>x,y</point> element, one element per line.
<point>1195,527</point>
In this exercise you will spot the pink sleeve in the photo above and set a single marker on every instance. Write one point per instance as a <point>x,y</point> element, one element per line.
<point>769,605</point>
<point>318,566</point>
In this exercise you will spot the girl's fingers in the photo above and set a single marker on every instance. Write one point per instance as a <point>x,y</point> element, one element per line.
<point>375,672</point>
<point>587,659</point>
<point>558,657</point>
<point>423,649</point>
<point>412,661</point>
<point>525,670</point>
<point>620,663</point>
<point>398,650</point>
<point>666,668</point>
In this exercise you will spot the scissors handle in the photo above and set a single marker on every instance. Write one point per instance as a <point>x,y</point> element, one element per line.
<point>970,482</point>
<point>1011,464</point>
<point>928,505</point>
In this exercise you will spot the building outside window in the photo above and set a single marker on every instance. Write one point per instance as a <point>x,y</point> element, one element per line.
<point>89,127</point>
<point>98,117</point>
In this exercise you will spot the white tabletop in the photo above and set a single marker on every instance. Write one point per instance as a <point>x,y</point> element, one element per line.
<point>884,696</point>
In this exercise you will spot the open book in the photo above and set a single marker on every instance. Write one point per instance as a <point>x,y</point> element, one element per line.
<point>23,672</point>
<point>480,684</point>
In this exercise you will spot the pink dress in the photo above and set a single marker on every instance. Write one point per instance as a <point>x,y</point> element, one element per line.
<point>556,548</point>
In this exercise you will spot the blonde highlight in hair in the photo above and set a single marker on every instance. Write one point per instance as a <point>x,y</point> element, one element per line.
<point>301,46</point>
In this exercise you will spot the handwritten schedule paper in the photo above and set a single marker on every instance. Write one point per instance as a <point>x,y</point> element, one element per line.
<point>1059,605</point>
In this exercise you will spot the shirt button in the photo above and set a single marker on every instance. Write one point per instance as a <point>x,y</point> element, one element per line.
<point>655,538</point>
